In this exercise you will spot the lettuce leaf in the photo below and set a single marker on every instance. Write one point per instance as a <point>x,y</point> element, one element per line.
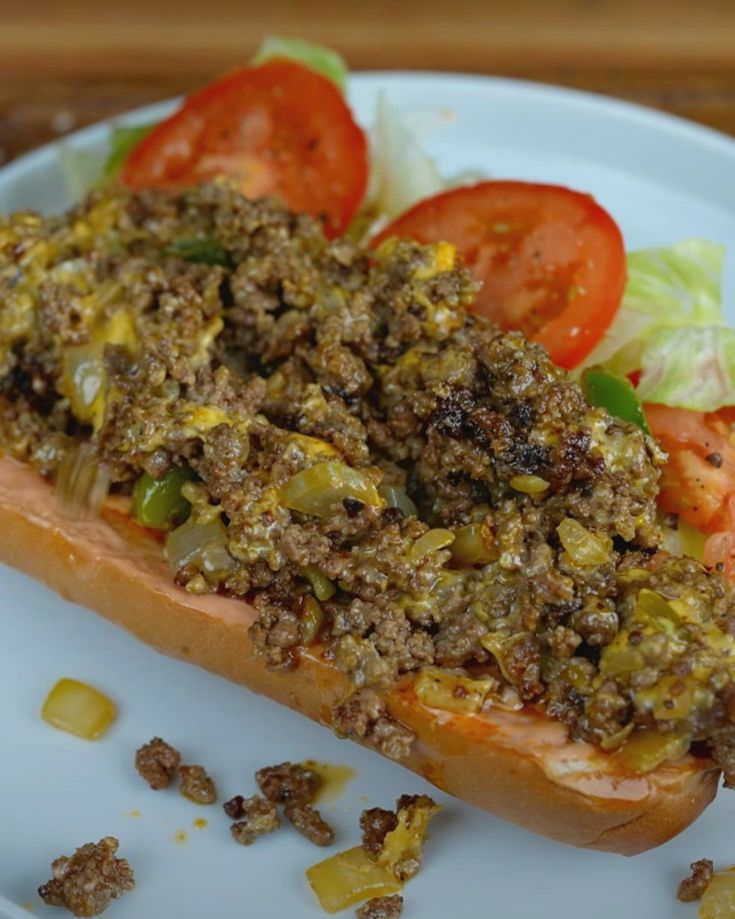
<point>690,367</point>
<point>323,60</point>
<point>122,140</point>
<point>401,173</point>
<point>671,328</point>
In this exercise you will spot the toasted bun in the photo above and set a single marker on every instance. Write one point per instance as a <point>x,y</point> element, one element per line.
<point>518,765</point>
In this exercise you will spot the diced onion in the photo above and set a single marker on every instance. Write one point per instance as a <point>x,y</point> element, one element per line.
<point>350,877</point>
<point>397,497</point>
<point>202,544</point>
<point>718,901</point>
<point>83,482</point>
<point>402,846</point>
<point>318,489</point>
<point>647,749</point>
<point>583,546</point>
<point>452,693</point>
<point>470,546</point>
<point>529,484</point>
<point>78,709</point>
<point>431,541</point>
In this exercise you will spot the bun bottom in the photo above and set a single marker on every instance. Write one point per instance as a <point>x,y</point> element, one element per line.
<point>520,766</point>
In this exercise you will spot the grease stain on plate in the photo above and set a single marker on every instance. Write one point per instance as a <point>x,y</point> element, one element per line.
<point>179,837</point>
<point>200,823</point>
<point>334,778</point>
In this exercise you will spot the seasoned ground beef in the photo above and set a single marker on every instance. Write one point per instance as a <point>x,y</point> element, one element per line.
<point>693,887</point>
<point>196,785</point>
<point>382,908</point>
<point>375,823</point>
<point>396,838</point>
<point>369,464</point>
<point>309,822</point>
<point>256,816</point>
<point>87,882</point>
<point>288,782</point>
<point>234,807</point>
<point>157,763</point>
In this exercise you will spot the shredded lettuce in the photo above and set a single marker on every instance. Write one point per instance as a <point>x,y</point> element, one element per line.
<point>323,60</point>
<point>690,367</point>
<point>671,328</point>
<point>82,170</point>
<point>401,172</point>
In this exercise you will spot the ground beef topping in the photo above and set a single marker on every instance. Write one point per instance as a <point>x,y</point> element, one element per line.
<point>396,838</point>
<point>256,816</point>
<point>196,785</point>
<point>693,887</point>
<point>382,908</point>
<point>88,881</point>
<point>288,782</point>
<point>309,822</point>
<point>374,468</point>
<point>376,823</point>
<point>157,762</point>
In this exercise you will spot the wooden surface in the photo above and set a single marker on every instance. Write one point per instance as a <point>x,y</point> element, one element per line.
<point>63,65</point>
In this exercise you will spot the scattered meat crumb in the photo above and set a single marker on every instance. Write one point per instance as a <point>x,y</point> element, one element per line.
<point>196,785</point>
<point>382,908</point>
<point>258,817</point>
<point>157,763</point>
<point>233,807</point>
<point>89,880</point>
<point>375,823</point>
<point>288,782</point>
<point>310,823</point>
<point>396,838</point>
<point>693,887</point>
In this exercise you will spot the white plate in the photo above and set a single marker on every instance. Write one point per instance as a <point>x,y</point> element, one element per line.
<point>662,179</point>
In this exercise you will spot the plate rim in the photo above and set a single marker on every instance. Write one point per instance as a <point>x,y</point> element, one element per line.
<point>682,128</point>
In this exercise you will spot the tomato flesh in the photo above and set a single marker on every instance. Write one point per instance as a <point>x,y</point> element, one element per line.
<point>698,481</point>
<point>551,260</point>
<point>278,129</point>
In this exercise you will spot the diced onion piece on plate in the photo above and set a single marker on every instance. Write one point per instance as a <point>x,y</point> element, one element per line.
<point>79,709</point>
<point>350,877</point>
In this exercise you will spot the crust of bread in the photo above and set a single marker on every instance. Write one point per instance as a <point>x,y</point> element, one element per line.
<point>520,766</point>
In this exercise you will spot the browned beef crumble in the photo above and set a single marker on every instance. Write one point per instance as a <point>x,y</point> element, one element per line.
<point>382,471</point>
<point>309,822</point>
<point>256,816</point>
<point>375,823</point>
<point>87,882</point>
<point>288,782</point>
<point>157,763</point>
<point>234,807</point>
<point>693,887</point>
<point>402,851</point>
<point>197,785</point>
<point>382,908</point>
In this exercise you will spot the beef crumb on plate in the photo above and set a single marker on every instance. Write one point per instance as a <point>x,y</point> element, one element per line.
<point>693,887</point>
<point>88,881</point>
<point>382,908</point>
<point>157,762</point>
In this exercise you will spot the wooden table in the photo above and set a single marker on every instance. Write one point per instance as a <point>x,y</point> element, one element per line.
<point>64,65</point>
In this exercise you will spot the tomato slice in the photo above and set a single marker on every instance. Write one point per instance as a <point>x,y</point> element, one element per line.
<point>278,129</point>
<point>551,260</point>
<point>698,481</point>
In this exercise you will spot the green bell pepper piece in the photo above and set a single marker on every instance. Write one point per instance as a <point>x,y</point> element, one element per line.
<point>616,394</point>
<point>158,502</point>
